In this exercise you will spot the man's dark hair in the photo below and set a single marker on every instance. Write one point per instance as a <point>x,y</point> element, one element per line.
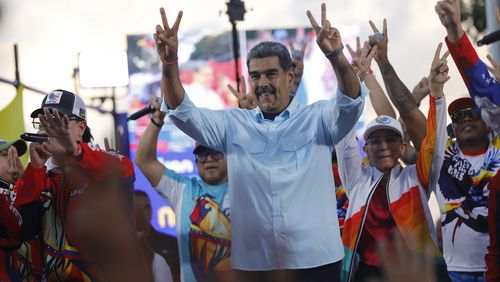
<point>87,135</point>
<point>271,49</point>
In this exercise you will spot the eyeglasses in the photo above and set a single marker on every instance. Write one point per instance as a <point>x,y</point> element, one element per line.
<point>390,141</point>
<point>459,116</point>
<point>38,125</point>
<point>203,156</point>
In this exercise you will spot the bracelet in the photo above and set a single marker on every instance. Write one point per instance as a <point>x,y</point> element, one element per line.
<point>172,61</point>
<point>335,53</point>
<point>159,125</point>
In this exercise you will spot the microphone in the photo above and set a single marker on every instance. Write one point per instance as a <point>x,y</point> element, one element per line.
<point>144,111</point>
<point>33,137</point>
<point>489,38</point>
<point>141,113</point>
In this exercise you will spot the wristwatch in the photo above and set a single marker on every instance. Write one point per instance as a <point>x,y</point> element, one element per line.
<point>334,53</point>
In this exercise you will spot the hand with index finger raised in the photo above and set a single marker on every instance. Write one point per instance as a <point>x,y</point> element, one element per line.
<point>327,37</point>
<point>166,38</point>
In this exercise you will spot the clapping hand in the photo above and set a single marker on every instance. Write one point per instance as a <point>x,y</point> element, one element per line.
<point>14,166</point>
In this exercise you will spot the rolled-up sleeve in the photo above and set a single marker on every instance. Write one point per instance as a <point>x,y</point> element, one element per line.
<point>203,125</point>
<point>341,114</point>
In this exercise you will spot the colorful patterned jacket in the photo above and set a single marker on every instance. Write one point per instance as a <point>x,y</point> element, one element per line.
<point>408,190</point>
<point>56,192</point>
<point>482,87</point>
<point>486,93</point>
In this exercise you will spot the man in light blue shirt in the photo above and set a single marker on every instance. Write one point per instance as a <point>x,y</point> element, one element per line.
<point>283,213</point>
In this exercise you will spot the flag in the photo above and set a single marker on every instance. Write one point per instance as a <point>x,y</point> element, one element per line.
<point>12,120</point>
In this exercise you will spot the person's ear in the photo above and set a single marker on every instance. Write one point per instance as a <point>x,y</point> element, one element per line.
<point>402,148</point>
<point>82,126</point>
<point>291,78</point>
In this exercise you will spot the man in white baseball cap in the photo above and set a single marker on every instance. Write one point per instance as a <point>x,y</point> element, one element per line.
<point>386,199</point>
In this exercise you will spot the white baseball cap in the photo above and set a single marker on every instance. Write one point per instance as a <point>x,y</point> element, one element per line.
<point>383,122</point>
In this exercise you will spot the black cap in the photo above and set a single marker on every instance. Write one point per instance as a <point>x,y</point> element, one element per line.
<point>65,102</point>
<point>19,144</point>
<point>199,148</point>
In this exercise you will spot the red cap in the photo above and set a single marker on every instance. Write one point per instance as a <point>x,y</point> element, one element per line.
<point>460,104</point>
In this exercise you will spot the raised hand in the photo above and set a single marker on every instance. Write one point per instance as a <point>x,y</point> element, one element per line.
<point>57,128</point>
<point>495,68</point>
<point>449,15</point>
<point>362,58</point>
<point>327,37</point>
<point>421,90</point>
<point>380,42</point>
<point>158,116</point>
<point>14,166</point>
<point>439,72</point>
<point>166,39</point>
<point>246,101</point>
<point>38,154</point>
<point>298,62</point>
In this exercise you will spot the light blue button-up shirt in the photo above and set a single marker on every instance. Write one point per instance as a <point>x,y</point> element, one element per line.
<point>282,196</point>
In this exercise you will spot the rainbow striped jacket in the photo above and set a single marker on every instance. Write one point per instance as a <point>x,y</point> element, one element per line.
<point>408,190</point>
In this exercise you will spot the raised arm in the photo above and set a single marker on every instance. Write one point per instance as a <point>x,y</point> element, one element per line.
<point>330,42</point>
<point>145,157</point>
<point>361,61</point>
<point>349,161</point>
<point>399,94</point>
<point>431,153</point>
<point>481,85</point>
<point>167,43</point>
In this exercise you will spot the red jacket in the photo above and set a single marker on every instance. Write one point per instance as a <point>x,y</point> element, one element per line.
<point>51,195</point>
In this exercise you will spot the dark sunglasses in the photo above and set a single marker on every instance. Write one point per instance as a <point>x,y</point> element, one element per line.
<point>459,116</point>
<point>203,156</point>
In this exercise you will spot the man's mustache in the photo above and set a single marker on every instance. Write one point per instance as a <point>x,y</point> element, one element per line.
<point>265,89</point>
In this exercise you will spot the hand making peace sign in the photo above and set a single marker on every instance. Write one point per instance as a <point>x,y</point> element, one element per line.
<point>439,72</point>
<point>166,39</point>
<point>327,37</point>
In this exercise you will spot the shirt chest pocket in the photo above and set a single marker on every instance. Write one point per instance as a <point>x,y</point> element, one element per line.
<point>298,147</point>
<point>248,152</point>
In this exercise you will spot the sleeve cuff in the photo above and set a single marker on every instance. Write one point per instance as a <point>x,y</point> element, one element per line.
<point>346,101</point>
<point>182,112</point>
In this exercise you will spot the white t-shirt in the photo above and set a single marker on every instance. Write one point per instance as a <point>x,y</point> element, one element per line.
<point>462,195</point>
<point>161,271</point>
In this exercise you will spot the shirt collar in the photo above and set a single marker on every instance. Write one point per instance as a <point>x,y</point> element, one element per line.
<point>287,112</point>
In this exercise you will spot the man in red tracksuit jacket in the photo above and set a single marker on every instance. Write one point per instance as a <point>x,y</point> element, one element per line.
<point>19,261</point>
<point>61,171</point>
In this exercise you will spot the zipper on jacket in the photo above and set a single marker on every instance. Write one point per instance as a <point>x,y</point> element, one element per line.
<point>361,226</point>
